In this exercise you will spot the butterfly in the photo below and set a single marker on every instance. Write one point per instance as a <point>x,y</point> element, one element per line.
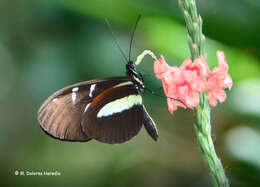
<point>108,110</point>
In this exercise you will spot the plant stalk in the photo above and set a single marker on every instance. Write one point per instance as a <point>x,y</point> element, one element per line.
<point>196,42</point>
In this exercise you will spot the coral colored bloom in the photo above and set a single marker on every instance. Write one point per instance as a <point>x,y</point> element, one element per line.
<point>218,80</point>
<point>179,84</point>
<point>183,85</point>
<point>200,67</point>
<point>160,67</point>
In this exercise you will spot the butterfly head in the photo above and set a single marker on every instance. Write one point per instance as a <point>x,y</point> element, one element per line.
<point>136,77</point>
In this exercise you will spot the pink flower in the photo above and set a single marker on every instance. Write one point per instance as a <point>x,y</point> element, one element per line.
<point>179,85</point>
<point>200,68</point>
<point>160,67</point>
<point>183,85</point>
<point>218,80</point>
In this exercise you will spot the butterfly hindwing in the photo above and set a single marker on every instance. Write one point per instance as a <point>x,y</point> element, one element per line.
<point>60,115</point>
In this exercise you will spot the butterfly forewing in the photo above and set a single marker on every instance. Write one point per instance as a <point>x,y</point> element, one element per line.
<point>115,115</point>
<point>61,114</point>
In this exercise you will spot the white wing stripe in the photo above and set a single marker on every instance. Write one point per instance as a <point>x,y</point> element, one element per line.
<point>124,84</point>
<point>92,88</point>
<point>120,105</point>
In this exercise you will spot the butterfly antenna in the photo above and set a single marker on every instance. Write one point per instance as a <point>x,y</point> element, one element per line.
<point>132,36</point>
<point>115,40</point>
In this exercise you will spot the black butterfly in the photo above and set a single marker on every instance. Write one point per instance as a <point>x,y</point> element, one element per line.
<point>108,110</point>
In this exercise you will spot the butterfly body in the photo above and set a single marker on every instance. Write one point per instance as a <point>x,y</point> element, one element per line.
<point>109,110</point>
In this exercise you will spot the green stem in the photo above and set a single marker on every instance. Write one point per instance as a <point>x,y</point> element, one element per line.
<point>196,41</point>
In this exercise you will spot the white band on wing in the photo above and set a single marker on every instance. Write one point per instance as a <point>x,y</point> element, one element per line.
<point>120,105</point>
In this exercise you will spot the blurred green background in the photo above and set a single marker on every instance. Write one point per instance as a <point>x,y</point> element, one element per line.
<point>46,45</point>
